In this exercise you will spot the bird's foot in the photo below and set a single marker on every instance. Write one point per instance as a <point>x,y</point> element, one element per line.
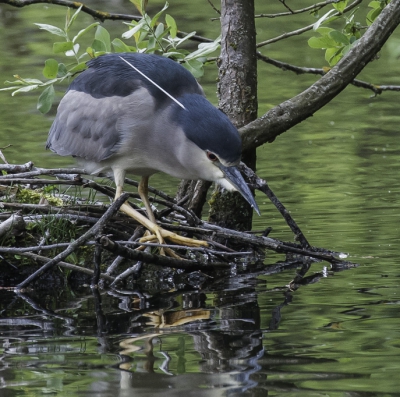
<point>159,233</point>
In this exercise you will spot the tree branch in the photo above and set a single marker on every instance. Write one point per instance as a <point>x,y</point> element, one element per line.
<point>314,7</point>
<point>291,112</point>
<point>305,28</point>
<point>101,15</point>
<point>376,88</point>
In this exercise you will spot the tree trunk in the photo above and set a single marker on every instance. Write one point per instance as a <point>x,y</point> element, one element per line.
<point>237,91</point>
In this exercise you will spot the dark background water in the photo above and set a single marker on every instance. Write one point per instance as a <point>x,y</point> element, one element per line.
<point>338,175</point>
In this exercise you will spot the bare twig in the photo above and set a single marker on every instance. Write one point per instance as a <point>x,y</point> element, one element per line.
<point>312,8</point>
<point>201,249</point>
<point>28,171</point>
<point>14,223</point>
<point>214,8</point>
<point>284,3</point>
<point>117,261</point>
<point>116,248</point>
<point>305,28</point>
<point>262,185</point>
<point>81,240</point>
<point>376,88</point>
<point>43,259</point>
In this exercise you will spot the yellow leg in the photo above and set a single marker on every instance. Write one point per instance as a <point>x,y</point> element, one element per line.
<point>143,190</point>
<point>150,224</point>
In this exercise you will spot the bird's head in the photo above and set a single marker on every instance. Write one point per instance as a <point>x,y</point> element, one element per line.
<point>213,145</point>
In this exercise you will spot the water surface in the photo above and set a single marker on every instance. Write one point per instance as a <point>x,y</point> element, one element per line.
<point>338,175</point>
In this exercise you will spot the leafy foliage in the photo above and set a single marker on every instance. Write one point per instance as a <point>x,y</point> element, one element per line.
<point>337,43</point>
<point>149,35</point>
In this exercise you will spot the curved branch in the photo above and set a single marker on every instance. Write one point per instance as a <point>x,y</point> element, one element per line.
<point>293,111</point>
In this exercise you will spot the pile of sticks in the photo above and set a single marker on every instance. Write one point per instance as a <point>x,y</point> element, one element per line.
<point>104,228</point>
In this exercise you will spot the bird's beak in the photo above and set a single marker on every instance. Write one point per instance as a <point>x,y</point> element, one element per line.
<point>235,178</point>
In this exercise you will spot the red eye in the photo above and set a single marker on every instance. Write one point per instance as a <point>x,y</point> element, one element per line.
<point>212,156</point>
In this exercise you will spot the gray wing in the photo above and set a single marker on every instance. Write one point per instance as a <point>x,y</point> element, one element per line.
<point>95,128</point>
<point>110,101</point>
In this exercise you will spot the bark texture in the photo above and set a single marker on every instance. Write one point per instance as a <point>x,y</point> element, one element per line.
<point>237,91</point>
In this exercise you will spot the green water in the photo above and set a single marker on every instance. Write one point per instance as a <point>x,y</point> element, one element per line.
<point>338,175</point>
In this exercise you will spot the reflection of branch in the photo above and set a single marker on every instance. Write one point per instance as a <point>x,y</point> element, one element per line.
<point>377,89</point>
<point>291,112</point>
<point>304,29</point>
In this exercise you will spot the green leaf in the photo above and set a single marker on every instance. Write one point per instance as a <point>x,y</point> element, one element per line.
<point>321,42</point>
<point>339,37</point>
<point>340,6</point>
<point>333,55</point>
<point>72,20</point>
<point>195,67</point>
<point>78,68</point>
<point>50,69</point>
<point>9,88</point>
<point>98,45</point>
<point>62,46</point>
<point>323,19</point>
<point>151,45</point>
<point>174,54</point>
<point>204,50</point>
<point>90,52</point>
<point>159,30</point>
<point>103,36</point>
<point>74,51</point>
<point>324,31</point>
<point>346,49</point>
<point>17,82</point>
<point>52,29</point>
<point>83,31</point>
<point>120,46</point>
<point>372,15</point>
<point>26,81</point>
<point>26,88</point>
<point>140,5</point>
<point>374,4</point>
<point>46,99</point>
<point>131,32</point>
<point>157,16</point>
<point>62,70</point>
<point>188,36</point>
<point>171,24</point>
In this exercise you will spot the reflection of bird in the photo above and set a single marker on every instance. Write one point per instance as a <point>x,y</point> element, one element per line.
<point>143,113</point>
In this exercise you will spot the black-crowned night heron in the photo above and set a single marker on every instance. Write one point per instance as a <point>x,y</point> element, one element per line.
<point>143,114</point>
